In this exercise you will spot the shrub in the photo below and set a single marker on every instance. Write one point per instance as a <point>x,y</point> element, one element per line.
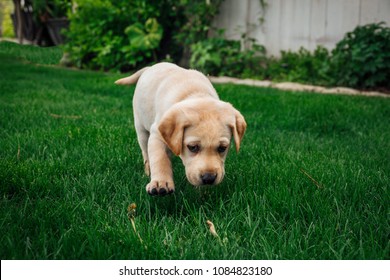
<point>362,58</point>
<point>51,8</point>
<point>302,66</point>
<point>107,36</point>
<point>121,34</point>
<point>219,56</point>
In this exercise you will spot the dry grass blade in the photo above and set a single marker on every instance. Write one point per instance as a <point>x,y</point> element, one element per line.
<point>18,153</point>
<point>131,215</point>
<point>72,117</point>
<point>311,178</point>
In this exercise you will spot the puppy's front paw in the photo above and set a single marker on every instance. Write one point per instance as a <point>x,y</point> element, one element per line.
<point>160,187</point>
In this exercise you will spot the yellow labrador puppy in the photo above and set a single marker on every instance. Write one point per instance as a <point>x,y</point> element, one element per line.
<point>178,110</point>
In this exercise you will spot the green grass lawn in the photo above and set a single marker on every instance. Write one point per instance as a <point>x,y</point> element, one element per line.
<point>310,182</point>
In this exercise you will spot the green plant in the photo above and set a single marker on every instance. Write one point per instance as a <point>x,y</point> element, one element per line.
<point>302,66</point>
<point>220,56</point>
<point>362,58</point>
<point>198,16</point>
<point>51,8</point>
<point>113,35</point>
<point>122,35</point>
<point>144,39</point>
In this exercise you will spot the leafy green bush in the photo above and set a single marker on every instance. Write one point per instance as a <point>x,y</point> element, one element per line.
<point>196,19</point>
<point>302,66</point>
<point>51,8</point>
<point>362,58</point>
<point>219,56</point>
<point>107,36</point>
<point>121,34</point>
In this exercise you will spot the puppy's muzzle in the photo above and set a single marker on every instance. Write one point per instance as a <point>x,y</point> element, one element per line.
<point>208,178</point>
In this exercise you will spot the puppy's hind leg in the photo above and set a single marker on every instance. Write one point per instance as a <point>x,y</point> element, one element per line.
<point>143,138</point>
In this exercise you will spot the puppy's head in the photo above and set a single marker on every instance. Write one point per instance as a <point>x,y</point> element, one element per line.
<point>200,132</point>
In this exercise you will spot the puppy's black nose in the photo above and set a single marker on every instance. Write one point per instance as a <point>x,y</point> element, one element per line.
<point>208,178</point>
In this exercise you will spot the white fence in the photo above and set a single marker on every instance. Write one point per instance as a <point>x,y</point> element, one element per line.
<point>291,24</point>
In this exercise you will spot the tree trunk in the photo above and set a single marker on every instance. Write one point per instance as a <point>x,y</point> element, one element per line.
<point>19,20</point>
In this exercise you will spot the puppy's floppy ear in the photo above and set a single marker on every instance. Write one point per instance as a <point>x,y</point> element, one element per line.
<point>171,128</point>
<point>238,128</point>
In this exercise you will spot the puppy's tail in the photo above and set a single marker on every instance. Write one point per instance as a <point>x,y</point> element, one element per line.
<point>131,79</point>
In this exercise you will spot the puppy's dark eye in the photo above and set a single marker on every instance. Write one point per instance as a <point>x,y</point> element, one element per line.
<point>193,148</point>
<point>221,149</point>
